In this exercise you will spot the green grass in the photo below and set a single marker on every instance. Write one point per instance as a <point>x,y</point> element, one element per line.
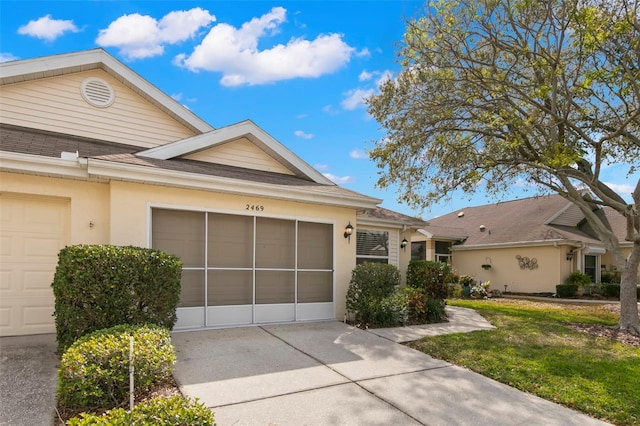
<point>532,350</point>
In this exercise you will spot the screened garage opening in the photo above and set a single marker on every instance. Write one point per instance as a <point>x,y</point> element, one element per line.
<point>241,269</point>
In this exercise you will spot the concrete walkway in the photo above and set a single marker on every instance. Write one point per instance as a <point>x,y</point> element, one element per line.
<point>329,373</point>
<point>28,380</point>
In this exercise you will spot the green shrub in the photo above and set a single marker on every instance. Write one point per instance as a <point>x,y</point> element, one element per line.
<point>567,290</point>
<point>416,305</point>
<point>578,278</point>
<point>611,290</point>
<point>429,276</point>
<point>610,277</point>
<point>370,284</point>
<point>174,411</point>
<point>456,291</point>
<point>97,287</point>
<point>388,312</point>
<point>436,310</point>
<point>593,289</point>
<point>94,371</point>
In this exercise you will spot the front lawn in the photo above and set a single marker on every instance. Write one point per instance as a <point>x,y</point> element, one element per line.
<point>535,350</point>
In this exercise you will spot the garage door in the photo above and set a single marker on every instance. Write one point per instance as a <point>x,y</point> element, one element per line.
<point>245,269</point>
<point>32,232</point>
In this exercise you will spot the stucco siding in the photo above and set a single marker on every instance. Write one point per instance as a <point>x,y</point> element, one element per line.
<point>89,203</point>
<point>241,153</point>
<point>56,104</point>
<point>505,267</point>
<point>131,207</point>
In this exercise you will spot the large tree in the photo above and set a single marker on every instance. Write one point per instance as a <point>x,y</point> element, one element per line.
<point>494,92</point>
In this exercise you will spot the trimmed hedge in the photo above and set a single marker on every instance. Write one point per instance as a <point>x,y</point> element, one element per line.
<point>100,286</point>
<point>174,411</point>
<point>430,277</point>
<point>567,290</point>
<point>94,371</point>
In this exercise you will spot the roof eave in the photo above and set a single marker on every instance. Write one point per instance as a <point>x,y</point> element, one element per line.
<point>135,173</point>
<point>555,242</point>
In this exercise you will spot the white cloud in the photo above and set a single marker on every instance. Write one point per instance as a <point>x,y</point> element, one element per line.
<point>624,189</point>
<point>303,135</point>
<point>6,57</point>
<point>364,53</point>
<point>339,179</point>
<point>329,110</point>
<point>321,167</point>
<point>177,96</point>
<point>234,52</point>
<point>365,76</point>
<point>142,36</point>
<point>355,98</point>
<point>358,154</point>
<point>48,29</point>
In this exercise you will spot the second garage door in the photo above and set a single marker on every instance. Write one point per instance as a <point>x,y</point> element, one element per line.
<point>32,232</point>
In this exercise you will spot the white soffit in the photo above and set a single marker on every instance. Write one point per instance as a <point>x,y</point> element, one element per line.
<point>247,129</point>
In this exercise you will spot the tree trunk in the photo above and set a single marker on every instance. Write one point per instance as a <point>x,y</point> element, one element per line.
<point>628,293</point>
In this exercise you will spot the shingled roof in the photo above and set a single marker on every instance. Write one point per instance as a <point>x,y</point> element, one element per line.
<point>517,221</point>
<point>49,144</point>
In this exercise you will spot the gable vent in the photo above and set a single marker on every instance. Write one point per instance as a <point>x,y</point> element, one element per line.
<point>97,92</point>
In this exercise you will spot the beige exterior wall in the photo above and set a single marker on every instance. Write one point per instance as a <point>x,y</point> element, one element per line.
<point>553,267</point>
<point>56,104</point>
<point>130,219</point>
<point>89,203</point>
<point>240,153</point>
<point>404,256</point>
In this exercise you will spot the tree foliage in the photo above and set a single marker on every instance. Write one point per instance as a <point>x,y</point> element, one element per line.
<point>496,92</point>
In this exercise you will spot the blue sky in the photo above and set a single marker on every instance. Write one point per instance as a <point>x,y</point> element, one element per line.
<point>298,69</point>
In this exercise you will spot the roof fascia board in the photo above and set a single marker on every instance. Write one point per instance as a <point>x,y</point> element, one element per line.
<point>229,133</point>
<point>573,243</point>
<point>36,164</point>
<point>386,223</point>
<point>50,66</point>
<point>425,233</point>
<point>135,173</point>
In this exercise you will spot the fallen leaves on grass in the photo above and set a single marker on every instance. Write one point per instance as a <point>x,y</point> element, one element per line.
<point>608,332</point>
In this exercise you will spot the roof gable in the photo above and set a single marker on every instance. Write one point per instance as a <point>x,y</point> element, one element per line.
<point>57,65</point>
<point>213,142</point>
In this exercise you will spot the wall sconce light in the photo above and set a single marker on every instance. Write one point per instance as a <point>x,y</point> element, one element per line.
<point>570,254</point>
<point>348,230</point>
<point>404,244</point>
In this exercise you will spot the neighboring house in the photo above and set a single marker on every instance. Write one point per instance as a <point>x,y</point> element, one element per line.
<point>91,153</point>
<point>528,245</point>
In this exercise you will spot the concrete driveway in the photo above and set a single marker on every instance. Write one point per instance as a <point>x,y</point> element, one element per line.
<point>331,374</point>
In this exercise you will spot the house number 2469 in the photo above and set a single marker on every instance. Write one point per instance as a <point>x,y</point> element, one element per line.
<point>254,207</point>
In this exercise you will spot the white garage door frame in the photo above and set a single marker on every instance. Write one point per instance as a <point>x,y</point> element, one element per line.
<point>254,313</point>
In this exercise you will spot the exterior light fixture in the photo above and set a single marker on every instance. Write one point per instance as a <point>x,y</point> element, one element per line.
<point>348,230</point>
<point>404,244</point>
<point>570,254</point>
